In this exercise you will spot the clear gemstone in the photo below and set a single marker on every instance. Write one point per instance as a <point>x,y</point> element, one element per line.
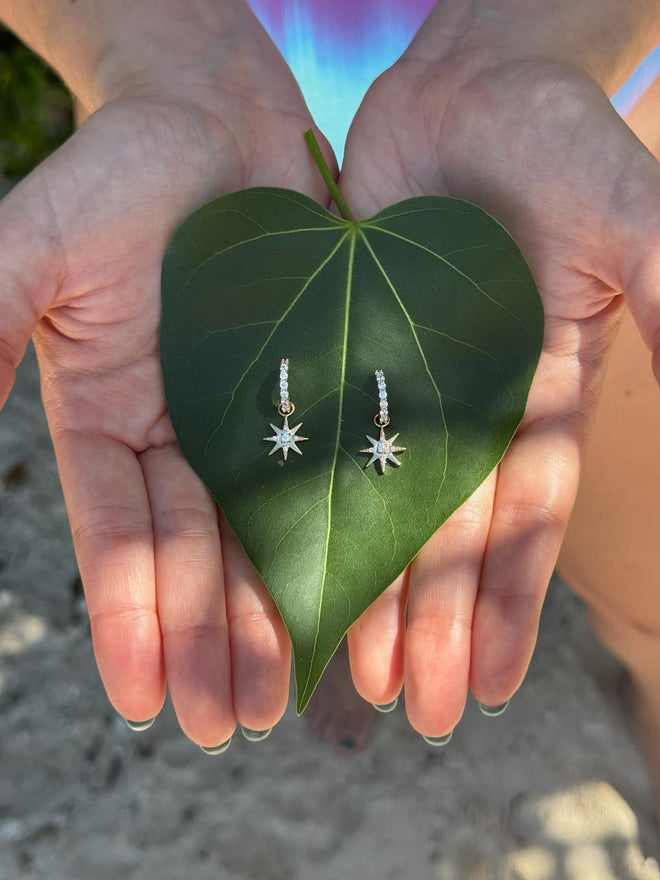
<point>382,395</point>
<point>285,436</point>
<point>381,447</point>
<point>284,384</point>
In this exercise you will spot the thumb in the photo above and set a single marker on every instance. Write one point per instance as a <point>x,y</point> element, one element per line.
<point>641,244</point>
<point>29,271</point>
<point>642,283</point>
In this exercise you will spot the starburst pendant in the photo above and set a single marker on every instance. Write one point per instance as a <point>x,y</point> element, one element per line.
<point>285,438</point>
<point>382,450</point>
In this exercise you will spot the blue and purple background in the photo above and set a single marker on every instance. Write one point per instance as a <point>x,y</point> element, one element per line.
<point>336,48</point>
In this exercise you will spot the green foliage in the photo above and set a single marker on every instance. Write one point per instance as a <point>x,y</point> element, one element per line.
<point>35,108</point>
<point>434,292</point>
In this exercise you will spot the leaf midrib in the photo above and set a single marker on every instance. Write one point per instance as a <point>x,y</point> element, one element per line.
<point>353,233</point>
<point>347,308</point>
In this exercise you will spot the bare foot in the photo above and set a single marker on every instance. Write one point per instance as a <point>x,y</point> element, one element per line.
<point>337,714</point>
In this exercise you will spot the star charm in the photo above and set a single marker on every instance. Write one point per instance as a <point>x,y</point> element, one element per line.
<point>285,438</point>
<point>382,450</point>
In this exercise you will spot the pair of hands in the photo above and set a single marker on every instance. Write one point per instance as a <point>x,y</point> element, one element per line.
<point>173,600</point>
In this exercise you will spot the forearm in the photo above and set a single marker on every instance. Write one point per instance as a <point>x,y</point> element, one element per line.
<point>606,38</point>
<point>100,47</point>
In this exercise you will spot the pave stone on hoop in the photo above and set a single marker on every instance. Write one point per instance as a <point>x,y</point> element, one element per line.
<point>382,450</point>
<point>285,438</point>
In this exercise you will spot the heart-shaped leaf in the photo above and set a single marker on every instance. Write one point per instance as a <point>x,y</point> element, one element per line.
<point>434,292</point>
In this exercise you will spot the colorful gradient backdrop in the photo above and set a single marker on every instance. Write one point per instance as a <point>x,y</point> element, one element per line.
<point>336,48</point>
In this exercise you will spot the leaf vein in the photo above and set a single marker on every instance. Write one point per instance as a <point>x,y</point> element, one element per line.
<point>289,530</point>
<point>237,244</point>
<point>270,336</point>
<point>443,259</point>
<point>210,333</point>
<point>275,193</point>
<point>474,348</point>
<point>316,402</point>
<point>476,247</point>
<point>382,498</point>
<point>376,225</point>
<point>421,352</point>
<point>283,492</point>
<point>218,211</point>
<point>360,391</point>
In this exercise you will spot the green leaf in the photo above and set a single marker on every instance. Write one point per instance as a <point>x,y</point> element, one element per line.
<point>434,292</point>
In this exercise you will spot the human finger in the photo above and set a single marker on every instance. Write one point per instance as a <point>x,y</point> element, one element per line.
<point>110,517</point>
<point>536,486</point>
<point>444,582</point>
<point>375,645</point>
<point>191,596</point>
<point>260,644</point>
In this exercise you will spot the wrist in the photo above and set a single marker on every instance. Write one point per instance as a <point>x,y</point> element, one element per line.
<point>194,45</point>
<point>105,51</point>
<point>606,39</point>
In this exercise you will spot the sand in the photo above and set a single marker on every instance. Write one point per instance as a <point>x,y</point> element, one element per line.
<point>555,788</point>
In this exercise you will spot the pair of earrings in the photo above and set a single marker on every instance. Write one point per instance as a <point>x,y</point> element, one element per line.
<point>286,438</point>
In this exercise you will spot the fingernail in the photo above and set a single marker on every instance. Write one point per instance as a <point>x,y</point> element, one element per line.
<point>255,736</point>
<point>438,740</point>
<point>138,726</point>
<point>386,707</point>
<point>216,750</point>
<point>493,711</point>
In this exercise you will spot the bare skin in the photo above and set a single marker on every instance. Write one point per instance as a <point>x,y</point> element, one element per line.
<point>610,554</point>
<point>81,242</point>
<point>535,141</point>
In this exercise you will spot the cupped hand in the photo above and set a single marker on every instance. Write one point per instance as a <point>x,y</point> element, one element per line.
<point>536,143</point>
<point>81,245</point>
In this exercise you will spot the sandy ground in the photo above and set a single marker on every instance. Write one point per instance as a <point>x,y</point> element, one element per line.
<point>553,789</point>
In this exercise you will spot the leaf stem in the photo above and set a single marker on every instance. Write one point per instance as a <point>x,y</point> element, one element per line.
<point>330,182</point>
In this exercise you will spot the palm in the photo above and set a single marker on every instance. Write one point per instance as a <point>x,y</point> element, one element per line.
<point>146,531</point>
<point>115,193</point>
<point>540,147</point>
<point>114,202</point>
